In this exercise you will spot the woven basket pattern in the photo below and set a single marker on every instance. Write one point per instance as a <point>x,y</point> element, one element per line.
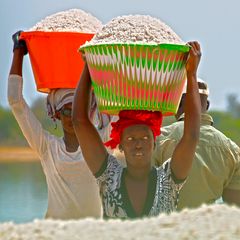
<point>137,76</point>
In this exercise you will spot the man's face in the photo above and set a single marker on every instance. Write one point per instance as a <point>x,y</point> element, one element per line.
<point>181,107</point>
<point>137,142</point>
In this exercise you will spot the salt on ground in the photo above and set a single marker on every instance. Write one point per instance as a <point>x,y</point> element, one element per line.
<point>208,222</point>
<point>136,28</point>
<point>73,20</point>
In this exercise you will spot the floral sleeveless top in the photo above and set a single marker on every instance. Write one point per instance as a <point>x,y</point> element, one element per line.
<point>162,197</point>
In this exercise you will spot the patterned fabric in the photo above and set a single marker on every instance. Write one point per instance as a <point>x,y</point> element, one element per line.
<point>162,194</point>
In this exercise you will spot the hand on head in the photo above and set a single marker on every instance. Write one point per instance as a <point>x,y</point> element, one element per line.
<point>193,57</point>
<point>19,44</point>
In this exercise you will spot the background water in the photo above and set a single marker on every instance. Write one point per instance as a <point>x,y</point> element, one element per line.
<point>23,192</point>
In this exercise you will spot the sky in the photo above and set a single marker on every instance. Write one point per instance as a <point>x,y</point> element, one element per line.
<point>214,23</point>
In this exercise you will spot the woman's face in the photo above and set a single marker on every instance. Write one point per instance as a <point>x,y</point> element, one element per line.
<point>137,142</point>
<point>65,116</point>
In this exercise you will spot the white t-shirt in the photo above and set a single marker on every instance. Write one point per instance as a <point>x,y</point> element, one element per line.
<point>72,189</point>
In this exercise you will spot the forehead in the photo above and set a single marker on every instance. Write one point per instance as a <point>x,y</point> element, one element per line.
<point>136,130</point>
<point>67,106</point>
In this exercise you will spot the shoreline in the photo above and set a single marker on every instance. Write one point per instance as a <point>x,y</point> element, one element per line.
<point>17,154</point>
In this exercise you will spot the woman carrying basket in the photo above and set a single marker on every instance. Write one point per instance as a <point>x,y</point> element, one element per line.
<point>139,190</point>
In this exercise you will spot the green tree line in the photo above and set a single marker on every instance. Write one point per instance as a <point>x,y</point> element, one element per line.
<point>11,135</point>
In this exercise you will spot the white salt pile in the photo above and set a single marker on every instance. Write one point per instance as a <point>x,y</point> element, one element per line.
<point>136,28</point>
<point>208,222</point>
<point>73,20</point>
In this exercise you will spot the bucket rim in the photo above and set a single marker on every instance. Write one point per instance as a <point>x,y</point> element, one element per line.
<point>29,34</point>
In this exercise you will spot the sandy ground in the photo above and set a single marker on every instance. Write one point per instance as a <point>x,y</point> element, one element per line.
<point>17,154</point>
<point>208,222</point>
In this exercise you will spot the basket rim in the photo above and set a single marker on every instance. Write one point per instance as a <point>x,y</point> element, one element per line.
<point>170,46</point>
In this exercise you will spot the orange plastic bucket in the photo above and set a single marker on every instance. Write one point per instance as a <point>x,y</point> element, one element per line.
<point>54,56</point>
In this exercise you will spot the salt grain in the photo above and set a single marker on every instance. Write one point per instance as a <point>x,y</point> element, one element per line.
<point>136,28</point>
<point>73,20</point>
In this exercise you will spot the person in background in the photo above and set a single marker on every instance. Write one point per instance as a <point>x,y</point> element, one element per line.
<point>72,189</point>
<point>216,168</point>
<point>138,190</point>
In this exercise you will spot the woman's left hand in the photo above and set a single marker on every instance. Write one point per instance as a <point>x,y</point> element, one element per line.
<point>193,57</point>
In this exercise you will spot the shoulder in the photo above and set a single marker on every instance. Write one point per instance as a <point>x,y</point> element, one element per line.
<point>173,131</point>
<point>110,167</point>
<point>165,168</point>
<point>166,175</point>
<point>211,136</point>
<point>113,163</point>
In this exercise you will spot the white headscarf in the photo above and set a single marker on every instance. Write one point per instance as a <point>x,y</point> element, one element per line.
<point>57,98</point>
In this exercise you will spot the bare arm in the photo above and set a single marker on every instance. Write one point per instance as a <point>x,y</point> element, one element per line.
<point>17,62</point>
<point>231,193</point>
<point>183,154</point>
<point>94,152</point>
<point>19,50</point>
<point>231,196</point>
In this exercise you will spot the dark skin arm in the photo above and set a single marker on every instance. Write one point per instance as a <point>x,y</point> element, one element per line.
<point>19,50</point>
<point>93,149</point>
<point>17,62</point>
<point>184,152</point>
<point>231,196</point>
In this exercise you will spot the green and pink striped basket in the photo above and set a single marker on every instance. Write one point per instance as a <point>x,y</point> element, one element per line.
<point>137,76</point>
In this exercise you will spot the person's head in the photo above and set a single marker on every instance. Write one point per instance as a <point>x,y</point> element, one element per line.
<point>204,93</point>
<point>137,143</point>
<point>135,133</point>
<point>59,105</point>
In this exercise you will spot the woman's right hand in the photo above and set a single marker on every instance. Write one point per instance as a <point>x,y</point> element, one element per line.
<point>19,44</point>
<point>19,50</point>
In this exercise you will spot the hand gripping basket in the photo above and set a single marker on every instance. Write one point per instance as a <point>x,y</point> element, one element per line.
<point>137,76</point>
<point>54,58</point>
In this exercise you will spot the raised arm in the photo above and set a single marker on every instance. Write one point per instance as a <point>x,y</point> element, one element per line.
<point>93,149</point>
<point>183,154</point>
<point>19,50</point>
<point>27,121</point>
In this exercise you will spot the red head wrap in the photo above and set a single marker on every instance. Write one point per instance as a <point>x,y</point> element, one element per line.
<point>132,117</point>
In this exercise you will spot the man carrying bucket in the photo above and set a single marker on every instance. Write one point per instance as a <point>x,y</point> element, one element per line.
<point>72,190</point>
<point>216,169</point>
